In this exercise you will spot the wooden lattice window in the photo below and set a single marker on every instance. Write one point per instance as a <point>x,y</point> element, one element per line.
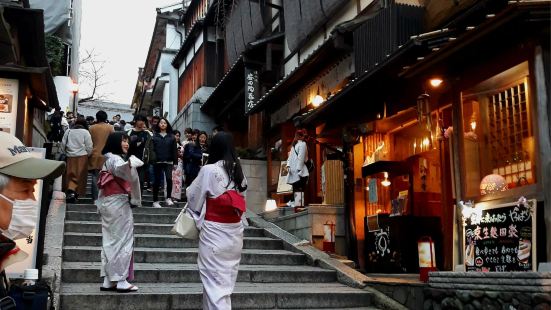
<point>510,134</point>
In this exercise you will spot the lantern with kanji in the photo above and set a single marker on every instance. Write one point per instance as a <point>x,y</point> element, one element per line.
<point>329,237</point>
<point>427,260</point>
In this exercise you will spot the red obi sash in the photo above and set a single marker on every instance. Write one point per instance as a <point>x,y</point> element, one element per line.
<point>112,185</point>
<point>226,208</point>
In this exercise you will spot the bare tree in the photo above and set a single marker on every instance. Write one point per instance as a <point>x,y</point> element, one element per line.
<point>91,73</point>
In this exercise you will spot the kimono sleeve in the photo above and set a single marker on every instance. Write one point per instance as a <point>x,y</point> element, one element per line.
<point>197,192</point>
<point>122,169</point>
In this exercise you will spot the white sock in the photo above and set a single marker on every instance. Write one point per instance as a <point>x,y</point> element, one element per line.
<point>123,284</point>
<point>106,282</point>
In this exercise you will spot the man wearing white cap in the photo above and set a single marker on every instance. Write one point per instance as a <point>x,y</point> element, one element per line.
<point>19,171</point>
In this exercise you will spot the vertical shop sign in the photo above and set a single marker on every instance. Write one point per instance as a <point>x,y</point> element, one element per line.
<point>501,238</point>
<point>9,89</point>
<point>251,88</point>
<point>29,244</point>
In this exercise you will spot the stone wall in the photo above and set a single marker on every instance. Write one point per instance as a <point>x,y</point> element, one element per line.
<point>496,290</point>
<point>256,173</point>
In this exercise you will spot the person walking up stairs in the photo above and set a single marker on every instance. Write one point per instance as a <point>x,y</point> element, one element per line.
<point>166,272</point>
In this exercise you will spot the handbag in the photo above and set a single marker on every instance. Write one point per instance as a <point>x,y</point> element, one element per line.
<point>184,225</point>
<point>32,297</point>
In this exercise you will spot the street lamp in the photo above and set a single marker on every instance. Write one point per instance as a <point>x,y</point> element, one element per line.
<point>74,89</point>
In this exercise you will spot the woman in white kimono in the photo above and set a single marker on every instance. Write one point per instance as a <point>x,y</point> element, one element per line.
<point>116,180</point>
<point>216,197</point>
<point>297,171</point>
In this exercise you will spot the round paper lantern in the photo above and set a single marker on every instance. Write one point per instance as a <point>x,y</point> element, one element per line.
<point>493,183</point>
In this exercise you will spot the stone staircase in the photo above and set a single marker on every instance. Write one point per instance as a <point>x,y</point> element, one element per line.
<point>167,275</point>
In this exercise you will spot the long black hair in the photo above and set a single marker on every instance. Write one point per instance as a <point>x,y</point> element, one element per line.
<point>168,126</point>
<point>221,148</point>
<point>113,144</point>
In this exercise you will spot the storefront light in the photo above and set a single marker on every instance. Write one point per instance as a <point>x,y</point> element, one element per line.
<point>385,182</point>
<point>435,82</point>
<point>493,183</point>
<point>317,101</point>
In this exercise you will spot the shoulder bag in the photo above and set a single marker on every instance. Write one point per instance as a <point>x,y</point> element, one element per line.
<point>184,225</point>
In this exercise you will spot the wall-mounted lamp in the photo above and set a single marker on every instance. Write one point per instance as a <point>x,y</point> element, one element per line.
<point>385,182</point>
<point>435,82</point>
<point>318,99</point>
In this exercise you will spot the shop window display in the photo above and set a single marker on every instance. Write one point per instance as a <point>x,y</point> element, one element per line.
<point>498,134</point>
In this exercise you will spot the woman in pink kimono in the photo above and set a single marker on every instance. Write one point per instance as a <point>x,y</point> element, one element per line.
<point>216,197</point>
<point>116,180</point>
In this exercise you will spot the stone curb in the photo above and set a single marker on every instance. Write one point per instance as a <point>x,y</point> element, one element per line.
<point>315,257</point>
<point>53,247</point>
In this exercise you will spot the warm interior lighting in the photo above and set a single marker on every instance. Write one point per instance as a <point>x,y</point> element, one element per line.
<point>317,101</point>
<point>493,183</point>
<point>435,82</point>
<point>270,205</point>
<point>473,121</point>
<point>385,182</point>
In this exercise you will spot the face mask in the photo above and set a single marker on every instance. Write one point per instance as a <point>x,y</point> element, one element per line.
<point>23,218</point>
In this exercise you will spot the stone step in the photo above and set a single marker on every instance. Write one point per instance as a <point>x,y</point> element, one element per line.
<point>184,255</point>
<point>167,241</point>
<point>142,228</point>
<point>145,202</point>
<point>138,217</point>
<point>184,273</point>
<point>147,210</point>
<point>189,296</point>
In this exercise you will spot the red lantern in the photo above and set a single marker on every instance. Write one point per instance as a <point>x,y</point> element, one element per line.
<point>329,237</point>
<point>427,260</point>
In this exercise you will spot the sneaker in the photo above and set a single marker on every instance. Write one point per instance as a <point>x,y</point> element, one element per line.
<point>169,202</point>
<point>157,204</point>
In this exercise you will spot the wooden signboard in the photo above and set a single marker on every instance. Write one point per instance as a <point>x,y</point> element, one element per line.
<point>501,238</point>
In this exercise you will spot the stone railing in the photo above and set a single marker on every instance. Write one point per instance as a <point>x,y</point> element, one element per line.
<point>495,290</point>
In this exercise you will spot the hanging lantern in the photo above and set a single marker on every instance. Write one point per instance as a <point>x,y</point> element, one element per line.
<point>423,110</point>
<point>493,183</point>
<point>427,260</point>
<point>329,237</point>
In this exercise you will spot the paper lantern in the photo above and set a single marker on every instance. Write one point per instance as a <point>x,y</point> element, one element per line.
<point>427,259</point>
<point>270,205</point>
<point>493,183</point>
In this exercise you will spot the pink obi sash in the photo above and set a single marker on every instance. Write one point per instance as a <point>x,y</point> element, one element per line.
<point>226,208</point>
<point>112,185</point>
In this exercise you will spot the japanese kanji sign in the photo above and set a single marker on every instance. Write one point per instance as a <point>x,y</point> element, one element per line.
<point>251,88</point>
<point>501,238</point>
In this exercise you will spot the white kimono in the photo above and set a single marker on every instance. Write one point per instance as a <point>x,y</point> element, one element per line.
<point>118,222</point>
<point>220,244</point>
<point>295,162</point>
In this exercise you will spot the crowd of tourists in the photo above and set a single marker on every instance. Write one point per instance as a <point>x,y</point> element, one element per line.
<point>152,156</point>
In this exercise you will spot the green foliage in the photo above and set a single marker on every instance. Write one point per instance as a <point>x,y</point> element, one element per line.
<point>55,52</point>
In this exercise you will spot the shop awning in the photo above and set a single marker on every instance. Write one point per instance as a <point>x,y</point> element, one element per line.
<point>326,54</point>
<point>441,52</point>
<point>518,21</point>
<point>30,36</point>
<point>226,92</point>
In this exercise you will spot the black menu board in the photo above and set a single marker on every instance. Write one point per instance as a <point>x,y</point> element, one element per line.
<point>501,238</point>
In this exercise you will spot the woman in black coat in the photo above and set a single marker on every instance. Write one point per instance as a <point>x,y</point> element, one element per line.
<point>165,159</point>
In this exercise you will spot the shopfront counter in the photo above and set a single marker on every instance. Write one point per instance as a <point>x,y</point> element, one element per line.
<point>391,242</point>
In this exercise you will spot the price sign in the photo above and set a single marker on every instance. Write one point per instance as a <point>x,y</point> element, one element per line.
<point>501,238</point>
